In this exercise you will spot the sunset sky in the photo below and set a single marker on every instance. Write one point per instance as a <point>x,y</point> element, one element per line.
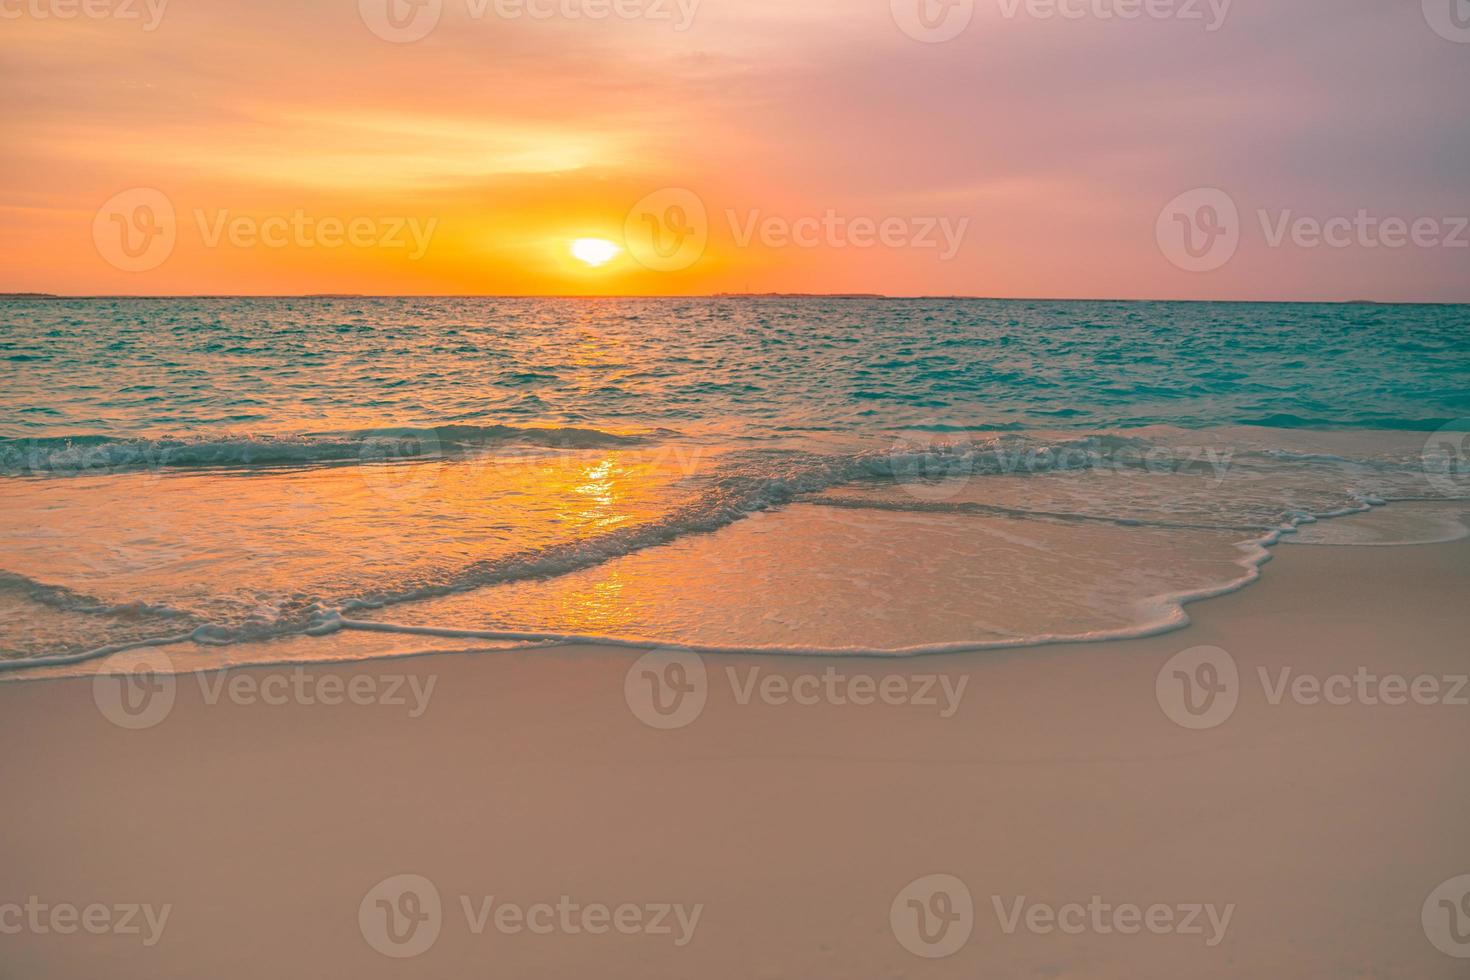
<point>1046,146</point>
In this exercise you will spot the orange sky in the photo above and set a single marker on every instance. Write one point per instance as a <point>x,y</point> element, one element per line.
<point>291,150</point>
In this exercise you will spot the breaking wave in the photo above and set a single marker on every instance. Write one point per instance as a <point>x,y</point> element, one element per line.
<point>99,455</point>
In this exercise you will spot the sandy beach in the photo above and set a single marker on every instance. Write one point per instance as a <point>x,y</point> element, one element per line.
<point>750,490</point>
<point>781,826</point>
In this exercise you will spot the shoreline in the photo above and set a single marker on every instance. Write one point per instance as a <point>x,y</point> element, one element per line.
<point>529,775</point>
<point>1170,615</point>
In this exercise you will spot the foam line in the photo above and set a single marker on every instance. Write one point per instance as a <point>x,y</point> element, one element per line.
<point>63,660</point>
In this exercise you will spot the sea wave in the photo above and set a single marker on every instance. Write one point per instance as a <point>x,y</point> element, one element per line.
<point>100,455</point>
<point>61,598</point>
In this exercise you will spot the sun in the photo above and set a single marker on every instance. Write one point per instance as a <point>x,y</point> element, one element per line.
<point>595,251</point>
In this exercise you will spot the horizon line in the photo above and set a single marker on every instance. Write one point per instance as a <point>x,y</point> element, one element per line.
<point>727,295</point>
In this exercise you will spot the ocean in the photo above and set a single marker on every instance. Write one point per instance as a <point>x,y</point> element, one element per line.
<point>250,479</point>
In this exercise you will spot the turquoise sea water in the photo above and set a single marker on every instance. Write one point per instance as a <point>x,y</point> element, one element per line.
<point>237,470</point>
<point>197,368</point>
